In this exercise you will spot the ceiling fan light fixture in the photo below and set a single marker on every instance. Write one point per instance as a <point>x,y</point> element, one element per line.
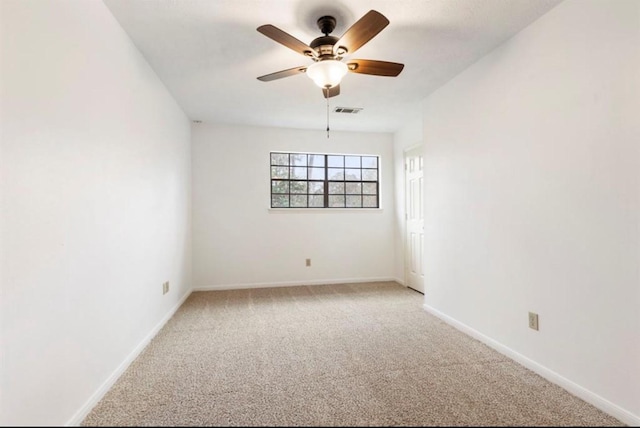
<point>327,73</point>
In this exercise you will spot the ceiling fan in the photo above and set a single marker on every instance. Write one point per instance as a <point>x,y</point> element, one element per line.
<point>327,52</point>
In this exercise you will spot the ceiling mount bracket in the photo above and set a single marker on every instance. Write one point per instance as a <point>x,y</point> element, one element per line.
<point>326,24</point>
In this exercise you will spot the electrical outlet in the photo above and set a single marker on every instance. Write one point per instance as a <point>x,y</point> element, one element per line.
<point>308,262</point>
<point>165,287</point>
<point>533,320</point>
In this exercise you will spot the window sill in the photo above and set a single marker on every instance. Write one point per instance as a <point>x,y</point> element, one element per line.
<point>326,210</point>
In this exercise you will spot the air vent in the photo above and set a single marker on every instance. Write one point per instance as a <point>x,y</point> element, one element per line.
<point>348,110</point>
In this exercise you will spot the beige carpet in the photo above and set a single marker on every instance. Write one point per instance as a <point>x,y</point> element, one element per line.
<point>328,355</point>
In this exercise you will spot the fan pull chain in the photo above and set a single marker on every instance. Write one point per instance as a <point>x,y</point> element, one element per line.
<point>327,89</point>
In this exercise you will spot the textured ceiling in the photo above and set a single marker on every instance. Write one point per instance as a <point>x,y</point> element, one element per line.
<point>209,54</point>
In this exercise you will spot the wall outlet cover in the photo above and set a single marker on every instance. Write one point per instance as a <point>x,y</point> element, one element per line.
<point>533,320</point>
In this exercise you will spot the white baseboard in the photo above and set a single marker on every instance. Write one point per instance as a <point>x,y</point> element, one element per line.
<point>400,281</point>
<point>606,406</point>
<point>77,419</point>
<point>291,283</point>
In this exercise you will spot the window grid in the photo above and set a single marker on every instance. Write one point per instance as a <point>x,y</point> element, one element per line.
<point>309,180</point>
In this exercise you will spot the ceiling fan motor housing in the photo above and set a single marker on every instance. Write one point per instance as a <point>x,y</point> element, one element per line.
<point>324,46</point>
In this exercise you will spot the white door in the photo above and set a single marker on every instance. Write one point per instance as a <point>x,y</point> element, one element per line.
<point>415,222</point>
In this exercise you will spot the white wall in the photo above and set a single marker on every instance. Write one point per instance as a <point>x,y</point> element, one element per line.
<point>409,136</point>
<point>533,200</point>
<point>238,241</point>
<point>95,185</point>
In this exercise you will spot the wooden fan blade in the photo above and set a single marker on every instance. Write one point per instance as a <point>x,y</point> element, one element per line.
<point>283,73</point>
<point>361,32</point>
<point>332,92</point>
<point>286,39</point>
<point>377,68</point>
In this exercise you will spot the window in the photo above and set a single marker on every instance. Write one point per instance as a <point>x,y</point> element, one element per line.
<point>310,180</point>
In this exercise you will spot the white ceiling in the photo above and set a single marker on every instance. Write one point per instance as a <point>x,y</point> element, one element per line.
<point>209,54</point>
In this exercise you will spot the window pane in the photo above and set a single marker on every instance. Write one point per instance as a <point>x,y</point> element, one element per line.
<point>369,188</point>
<point>279,172</point>
<point>280,201</point>
<point>352,174</point>
<point>370,174</point>
<point>352,161</point>
<point>298,201</point>
<point>279,186</point>
<point>298,187</point>
<point>354,201</point>
<point>316,173</point>
<point>298,159</point>
<point>336,174</point>
<point>316,160</point>
<point>370,202</point>
<point>336,161</point>
<point>336,201</point>
<point>354,188</point>
<point>316,201</point>
<point>316,187</point>
<point>279,158</point>
<point>336,188</point>
<point>369,162</point>
<point>298,172</point>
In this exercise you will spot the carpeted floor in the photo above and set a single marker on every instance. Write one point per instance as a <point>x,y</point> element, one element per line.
<point>328,355</point>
